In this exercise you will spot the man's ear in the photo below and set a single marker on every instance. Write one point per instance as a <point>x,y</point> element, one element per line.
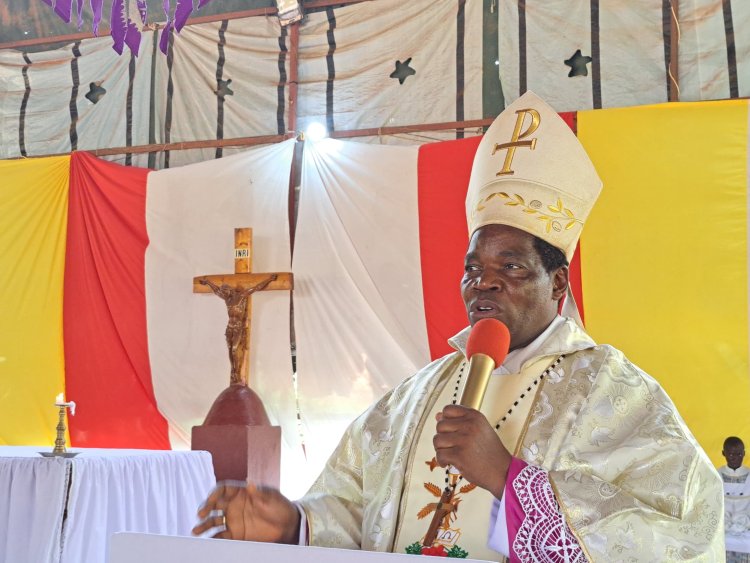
<point>559,283</point>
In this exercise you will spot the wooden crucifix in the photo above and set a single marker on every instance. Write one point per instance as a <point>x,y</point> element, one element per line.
<point>236,290</point>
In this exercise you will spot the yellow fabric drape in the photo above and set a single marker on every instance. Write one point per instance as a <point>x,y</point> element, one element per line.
<point>664,254</point>
<point>33,222</point>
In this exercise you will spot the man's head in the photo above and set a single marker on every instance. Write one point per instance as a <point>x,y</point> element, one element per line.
<point>531,176</point>
<point>515,278</point>
<point>733,452</point>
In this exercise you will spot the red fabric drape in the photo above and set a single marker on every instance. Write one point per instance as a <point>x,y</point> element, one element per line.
<point>443,172</point>
<point>104,309</point>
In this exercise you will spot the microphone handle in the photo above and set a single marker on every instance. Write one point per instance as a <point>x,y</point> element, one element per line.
<point>480,369</point>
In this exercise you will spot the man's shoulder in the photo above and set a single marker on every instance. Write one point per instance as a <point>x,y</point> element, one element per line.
<point>419,384</point>
<point>608,363</point>
<point>430,374</point>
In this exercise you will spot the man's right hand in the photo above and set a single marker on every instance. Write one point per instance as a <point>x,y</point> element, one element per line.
<point>252,514</point>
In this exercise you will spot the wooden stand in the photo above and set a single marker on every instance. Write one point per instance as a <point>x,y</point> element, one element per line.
<point>242,453</point>
<point>243,444</point>
<point>237,432</point>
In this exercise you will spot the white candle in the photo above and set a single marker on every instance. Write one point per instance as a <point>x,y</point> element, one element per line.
<point>60,402</point>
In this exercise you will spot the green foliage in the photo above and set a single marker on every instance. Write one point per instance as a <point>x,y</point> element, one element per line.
<point>414,549</point>
<point>457,552</point>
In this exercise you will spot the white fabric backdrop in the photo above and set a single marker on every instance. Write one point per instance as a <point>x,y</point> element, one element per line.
<point>251,62</point>
<point>631,52</point>
<point>191,213</point>
<point>369,38</point>
<point>703,65</point>
<point>358,305</point>
<point>47,113</point>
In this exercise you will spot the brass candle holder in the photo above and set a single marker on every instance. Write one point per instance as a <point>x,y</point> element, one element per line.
<point>59,449</point>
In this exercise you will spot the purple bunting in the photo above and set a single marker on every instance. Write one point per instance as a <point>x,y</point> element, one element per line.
<point>143,10</point>
<point>62,9</point>
<point>118,25</point>
<point>164,40</point>
<point>96,8</point>
<point>202,3</point>
<point>123,29</point>
<point>182,13</point>
<point>133,38</point>
<point>167,31</point>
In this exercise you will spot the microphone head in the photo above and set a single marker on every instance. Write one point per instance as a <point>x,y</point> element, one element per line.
<point>489,337</point>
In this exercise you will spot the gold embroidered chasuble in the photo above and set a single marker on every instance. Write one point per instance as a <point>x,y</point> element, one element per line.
<point>630,479</point>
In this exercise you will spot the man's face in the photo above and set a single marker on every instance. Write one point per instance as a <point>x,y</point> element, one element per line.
<point>504,278</point>
<point>734,454</point>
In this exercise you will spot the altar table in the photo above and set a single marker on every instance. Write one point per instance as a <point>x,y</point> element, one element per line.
<point>65,510</point>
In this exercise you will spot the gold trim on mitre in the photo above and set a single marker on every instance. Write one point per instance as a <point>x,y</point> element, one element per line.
<point>531,172</point>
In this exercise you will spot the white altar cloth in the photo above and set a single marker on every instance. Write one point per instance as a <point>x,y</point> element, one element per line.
<point>144,548</point>
<point>65,510</point>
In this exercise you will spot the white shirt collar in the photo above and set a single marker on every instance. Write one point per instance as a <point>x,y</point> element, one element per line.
<point>562,336</point>
<point>515,359</point>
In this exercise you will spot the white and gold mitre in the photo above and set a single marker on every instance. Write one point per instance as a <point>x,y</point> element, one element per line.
<point>531,172</point>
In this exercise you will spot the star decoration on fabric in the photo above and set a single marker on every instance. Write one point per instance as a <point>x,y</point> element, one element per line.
<point>577,64</point>
<point>96,92</point>
<point>224,90</point>
<point>403,71</point>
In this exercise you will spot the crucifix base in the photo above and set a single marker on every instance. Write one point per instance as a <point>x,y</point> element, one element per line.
<point>242,453</point>
<point>240,438</point>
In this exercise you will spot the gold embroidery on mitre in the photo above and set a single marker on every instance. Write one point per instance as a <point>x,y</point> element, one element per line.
<point>554,219</point>
<point>515,139</point>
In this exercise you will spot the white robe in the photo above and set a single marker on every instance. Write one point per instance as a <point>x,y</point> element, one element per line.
<point>628,475</point>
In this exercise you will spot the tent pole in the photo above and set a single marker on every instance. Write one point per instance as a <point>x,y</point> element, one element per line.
<point>293,76</point>
<point>674,53</point>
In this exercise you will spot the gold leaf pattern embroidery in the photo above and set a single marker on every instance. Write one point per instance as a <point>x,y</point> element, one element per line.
<point>557,215</point>
<point>434,489</point>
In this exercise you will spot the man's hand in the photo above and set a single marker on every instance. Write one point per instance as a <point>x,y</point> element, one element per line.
<point>467,441</point>
<point>252,513</point>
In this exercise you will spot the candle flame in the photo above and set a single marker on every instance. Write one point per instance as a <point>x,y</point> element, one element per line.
<point>60,399</point>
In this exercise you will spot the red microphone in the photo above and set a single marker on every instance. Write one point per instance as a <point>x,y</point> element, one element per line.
<point>486,349</point>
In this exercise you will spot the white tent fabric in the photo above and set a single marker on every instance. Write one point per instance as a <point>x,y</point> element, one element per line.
<point>537,37</point>
<point>44,116</point>
<point>710,30</point>
<point>44,108</point>
<point>190,215</point>
<point>356,257</point>
<point>347,55</point>
<point>246,55</point>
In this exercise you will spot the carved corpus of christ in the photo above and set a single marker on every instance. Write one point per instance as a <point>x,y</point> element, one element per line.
<point>236,291</point>
<point>237,333</point>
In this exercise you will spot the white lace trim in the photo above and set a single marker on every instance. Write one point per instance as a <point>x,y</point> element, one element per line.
<point>543,537</point>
